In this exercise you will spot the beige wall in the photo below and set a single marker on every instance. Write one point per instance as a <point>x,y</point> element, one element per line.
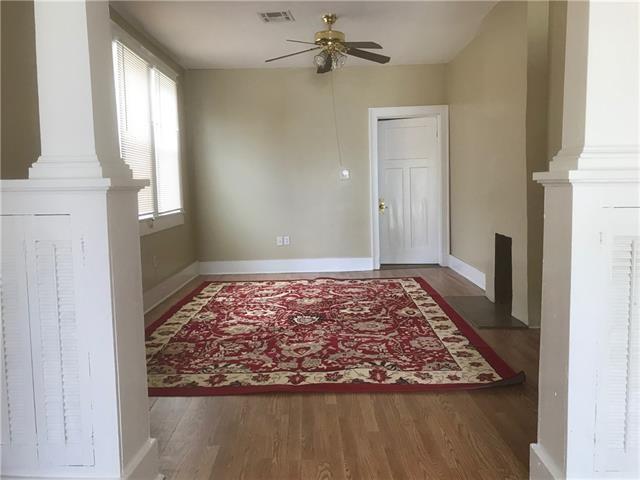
<point>261,156</point>
<point>557,38</point>
<point>505,94</point>
<point>163,253</point>
<point>169,251</point>
<point>20,132</point>
<point>537,156</point>
<point>265,160</point>
<point>487,94</point>
<point>545,88</point>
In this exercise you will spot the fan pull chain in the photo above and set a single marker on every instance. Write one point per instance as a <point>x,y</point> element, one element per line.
<point>335,119</point>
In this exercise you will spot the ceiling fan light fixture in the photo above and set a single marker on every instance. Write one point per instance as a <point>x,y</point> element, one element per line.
<point>335,57</point>
<point>338,59</point>
<point>320,60</point>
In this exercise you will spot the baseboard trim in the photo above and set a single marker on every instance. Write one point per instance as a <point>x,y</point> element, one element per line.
<point>290,265</point>
<point>541,466</point>
<point>144,464</point>
<point>467,271</point>
<point>157,294</point>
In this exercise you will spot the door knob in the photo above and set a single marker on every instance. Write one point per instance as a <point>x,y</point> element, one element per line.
<point>381,205</point>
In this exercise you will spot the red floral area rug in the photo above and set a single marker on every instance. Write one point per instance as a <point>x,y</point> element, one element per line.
<point>322,335</point>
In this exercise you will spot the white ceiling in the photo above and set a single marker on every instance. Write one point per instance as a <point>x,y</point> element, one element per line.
<point>231,35</point>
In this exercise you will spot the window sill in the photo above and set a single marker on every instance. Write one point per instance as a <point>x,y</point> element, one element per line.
<point>158,224</point>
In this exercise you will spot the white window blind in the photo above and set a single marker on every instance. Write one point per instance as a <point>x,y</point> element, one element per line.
<point>148,130</point>
<point>165,128</point>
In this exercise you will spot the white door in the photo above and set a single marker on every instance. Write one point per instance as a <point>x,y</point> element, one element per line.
<point>409,185</point>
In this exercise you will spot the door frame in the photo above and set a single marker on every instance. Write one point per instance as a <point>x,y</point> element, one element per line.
<point>441,113</point>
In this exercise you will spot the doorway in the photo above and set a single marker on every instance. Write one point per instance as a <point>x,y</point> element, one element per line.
<point>408,153</point>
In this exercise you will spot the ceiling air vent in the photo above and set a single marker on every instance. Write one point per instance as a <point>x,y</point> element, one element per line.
<point>276,17</point>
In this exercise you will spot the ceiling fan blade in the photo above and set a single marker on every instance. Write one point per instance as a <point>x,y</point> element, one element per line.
<point>291,54</point>
<point>300,41</point>
<point>374,57</point>
<point>362,45</point>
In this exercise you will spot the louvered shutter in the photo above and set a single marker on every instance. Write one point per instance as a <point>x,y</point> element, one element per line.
<point>18,418</point>
<point>617,415</point>
<point>60,378</point>
<point>133,95</point>
<point>46,416</point>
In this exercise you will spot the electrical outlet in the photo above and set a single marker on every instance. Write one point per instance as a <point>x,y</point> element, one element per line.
<point>286,240</point>
<point>279,241</point>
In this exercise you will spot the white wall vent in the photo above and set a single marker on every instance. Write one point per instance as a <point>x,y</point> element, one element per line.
<point>276,17</point>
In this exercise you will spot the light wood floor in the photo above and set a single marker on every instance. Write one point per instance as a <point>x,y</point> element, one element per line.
<point>481,434</point>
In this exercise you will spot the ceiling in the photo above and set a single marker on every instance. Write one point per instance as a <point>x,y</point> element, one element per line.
<point>231,34</point>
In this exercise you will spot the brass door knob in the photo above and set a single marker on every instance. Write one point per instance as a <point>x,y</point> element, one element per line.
<point>381,205</point>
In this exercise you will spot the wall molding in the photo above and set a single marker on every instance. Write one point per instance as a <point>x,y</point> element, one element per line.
<point>289,265</point>
<point>157,294</point>
<point>596,157</point>
<point>467,271</point>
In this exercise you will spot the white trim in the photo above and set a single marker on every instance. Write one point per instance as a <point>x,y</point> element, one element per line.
<point>162,222</point>
<point>562,177</point>
<point>159,293</point>
<point>70,185</point>
<point>600,157</point>
<point>144,464</point>
<point>289,265</point>
<point>442,114</point>
<point>541,466</point>
<point>467,271</point>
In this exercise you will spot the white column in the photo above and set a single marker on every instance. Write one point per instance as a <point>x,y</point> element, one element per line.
<point>590,340</point>
<point>75,92</point>
<point>74,394</point>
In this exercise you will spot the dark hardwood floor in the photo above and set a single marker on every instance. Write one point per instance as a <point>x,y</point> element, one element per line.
<point>483,434</point>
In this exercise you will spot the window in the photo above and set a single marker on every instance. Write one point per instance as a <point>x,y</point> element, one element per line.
<point>149,132</point>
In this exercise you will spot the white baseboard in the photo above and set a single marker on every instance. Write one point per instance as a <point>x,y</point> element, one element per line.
<point>157,294</point>
<point>467,271</point>
<point>541,466</point>
<point>294,265</point>
<point>145,463</point>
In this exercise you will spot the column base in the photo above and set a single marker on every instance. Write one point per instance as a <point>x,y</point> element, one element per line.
<point>541,466</point>
<point>144,464</point>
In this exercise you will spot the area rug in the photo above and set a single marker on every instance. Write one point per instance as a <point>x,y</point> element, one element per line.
<point>322,335</point>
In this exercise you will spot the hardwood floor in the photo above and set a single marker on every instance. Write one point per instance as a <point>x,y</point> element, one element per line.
<point>483,434</point>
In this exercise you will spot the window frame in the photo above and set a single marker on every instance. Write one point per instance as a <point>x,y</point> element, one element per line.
<point>155,222</point>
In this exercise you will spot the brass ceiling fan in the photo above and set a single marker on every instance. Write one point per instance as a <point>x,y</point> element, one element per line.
<point>334,49</point>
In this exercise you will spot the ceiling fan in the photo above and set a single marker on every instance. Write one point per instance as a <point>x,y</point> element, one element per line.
<point>334,49</point>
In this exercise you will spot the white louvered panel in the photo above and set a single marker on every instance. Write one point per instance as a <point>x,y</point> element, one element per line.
<point>633,388</point>
<point>18,421</point>
<point>617,414</point>
<point>63,422</point>
<point>59,341</point>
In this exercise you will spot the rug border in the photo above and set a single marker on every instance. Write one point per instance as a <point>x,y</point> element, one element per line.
<point>509,376</point>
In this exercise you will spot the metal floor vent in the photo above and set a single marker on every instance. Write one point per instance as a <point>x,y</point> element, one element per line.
<point>276,17</point>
